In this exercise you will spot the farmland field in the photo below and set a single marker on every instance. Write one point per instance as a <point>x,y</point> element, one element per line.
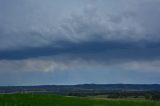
<point>54,100</point>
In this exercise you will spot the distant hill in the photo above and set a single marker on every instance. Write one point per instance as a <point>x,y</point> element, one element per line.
<point>81,88</point>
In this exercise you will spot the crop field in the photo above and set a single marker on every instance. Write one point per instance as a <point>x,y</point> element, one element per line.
<point>54,100</point>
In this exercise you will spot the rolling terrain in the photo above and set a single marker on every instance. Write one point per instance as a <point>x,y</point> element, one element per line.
<point>54,100</point>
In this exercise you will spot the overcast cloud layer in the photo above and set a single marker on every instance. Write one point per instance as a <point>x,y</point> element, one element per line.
<point>79,41</point>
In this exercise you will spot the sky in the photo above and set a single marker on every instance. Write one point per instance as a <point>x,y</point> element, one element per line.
<point>45,42</point>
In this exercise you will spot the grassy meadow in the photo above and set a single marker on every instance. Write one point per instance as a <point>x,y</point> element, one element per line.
<point>54,100</point>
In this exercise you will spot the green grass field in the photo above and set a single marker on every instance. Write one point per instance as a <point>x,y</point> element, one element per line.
<point>54,100</point>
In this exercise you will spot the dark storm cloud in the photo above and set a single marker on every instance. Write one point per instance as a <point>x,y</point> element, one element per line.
<point>98,51</point>
<point>93,35</point>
